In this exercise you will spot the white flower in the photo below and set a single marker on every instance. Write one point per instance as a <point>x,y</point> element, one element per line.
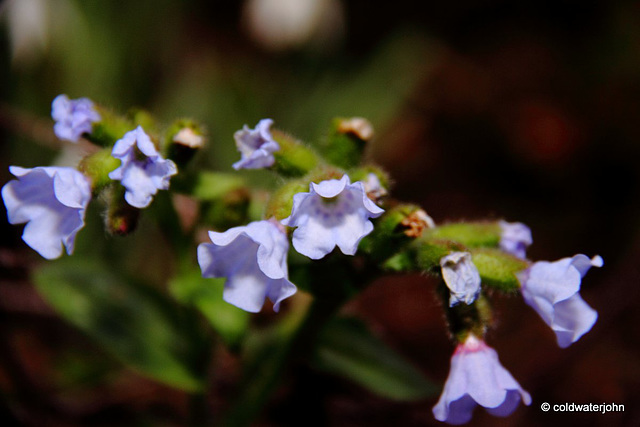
<point>461,277</point>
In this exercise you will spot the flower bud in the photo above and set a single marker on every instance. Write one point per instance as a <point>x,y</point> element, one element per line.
<point>183,140</point>
<point>121,218</point>
<point>346,141</point>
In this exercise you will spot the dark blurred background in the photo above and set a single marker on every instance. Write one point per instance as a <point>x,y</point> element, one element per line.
<point>527,111</point>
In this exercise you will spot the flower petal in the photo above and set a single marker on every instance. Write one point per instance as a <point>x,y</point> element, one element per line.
<point>52,201</point>
<point>333,213</point>
<point>253,258</point>
<point>142,178</point>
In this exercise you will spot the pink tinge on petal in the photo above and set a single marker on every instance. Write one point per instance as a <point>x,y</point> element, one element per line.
<point>477,378</point>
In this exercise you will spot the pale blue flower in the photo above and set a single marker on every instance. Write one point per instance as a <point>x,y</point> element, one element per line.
<point>552,289</point>
<point>373,187</point>
<point>52,201</point>
<point>333,213</point>
<point>256,146</point>
<point>461,277</point>
<point>515,238</point>
<point>477,378</point>
<point>143,170</point>
<point>253,258</point>
<point>73,117</point>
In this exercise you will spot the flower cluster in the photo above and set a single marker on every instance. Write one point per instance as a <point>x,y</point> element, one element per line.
<point>550,288</point>
<point>470,260</point>
<point>53,200</point>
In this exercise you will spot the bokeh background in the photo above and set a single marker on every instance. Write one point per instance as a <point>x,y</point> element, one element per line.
<point>527,110</point>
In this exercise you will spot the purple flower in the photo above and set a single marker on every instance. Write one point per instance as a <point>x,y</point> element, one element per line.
<point>256,146</point>
<point>333,212</point>
<point>143,171</point>
<point>73,117</point>
<point>52,201</point>
<point>253,258</point>
<point>461,277</point>
<point>552,289</point>
<point>515,238</point>
<point>477,378</point>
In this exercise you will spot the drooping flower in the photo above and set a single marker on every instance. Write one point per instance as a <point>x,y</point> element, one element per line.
<point>477,378</point>
<point>256,146</point>
<point>552,289</point>
<point>333,213</point>
<point>515,238</point>
<point>253,258</point>
<point>461,277</point>
<point>143,170</point>
<point>52,201</point>
<point>73,117</point>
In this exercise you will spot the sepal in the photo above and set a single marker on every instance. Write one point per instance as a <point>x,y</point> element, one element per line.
<point>469,234</point>
<point>110,128</point>
<point>293,159</point>
<point>498,269</point>
<point>97,166</point>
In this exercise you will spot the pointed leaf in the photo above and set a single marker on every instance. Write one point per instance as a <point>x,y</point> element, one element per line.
<point>228,321</point>
<point>348,349</point>
<point>133,323</point>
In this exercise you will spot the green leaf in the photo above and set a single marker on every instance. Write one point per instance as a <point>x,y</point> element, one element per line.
<point>228,321</point>
<point>348,349</point>
<point>132,322</point>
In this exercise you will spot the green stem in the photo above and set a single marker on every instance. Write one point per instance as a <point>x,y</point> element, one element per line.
<point>293,348</point>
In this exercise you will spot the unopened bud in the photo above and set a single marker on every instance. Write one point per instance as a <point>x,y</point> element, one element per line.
<point>121,218</point>
<point>359,127</point>
<point>183,139</point>
<point>346,141</point>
